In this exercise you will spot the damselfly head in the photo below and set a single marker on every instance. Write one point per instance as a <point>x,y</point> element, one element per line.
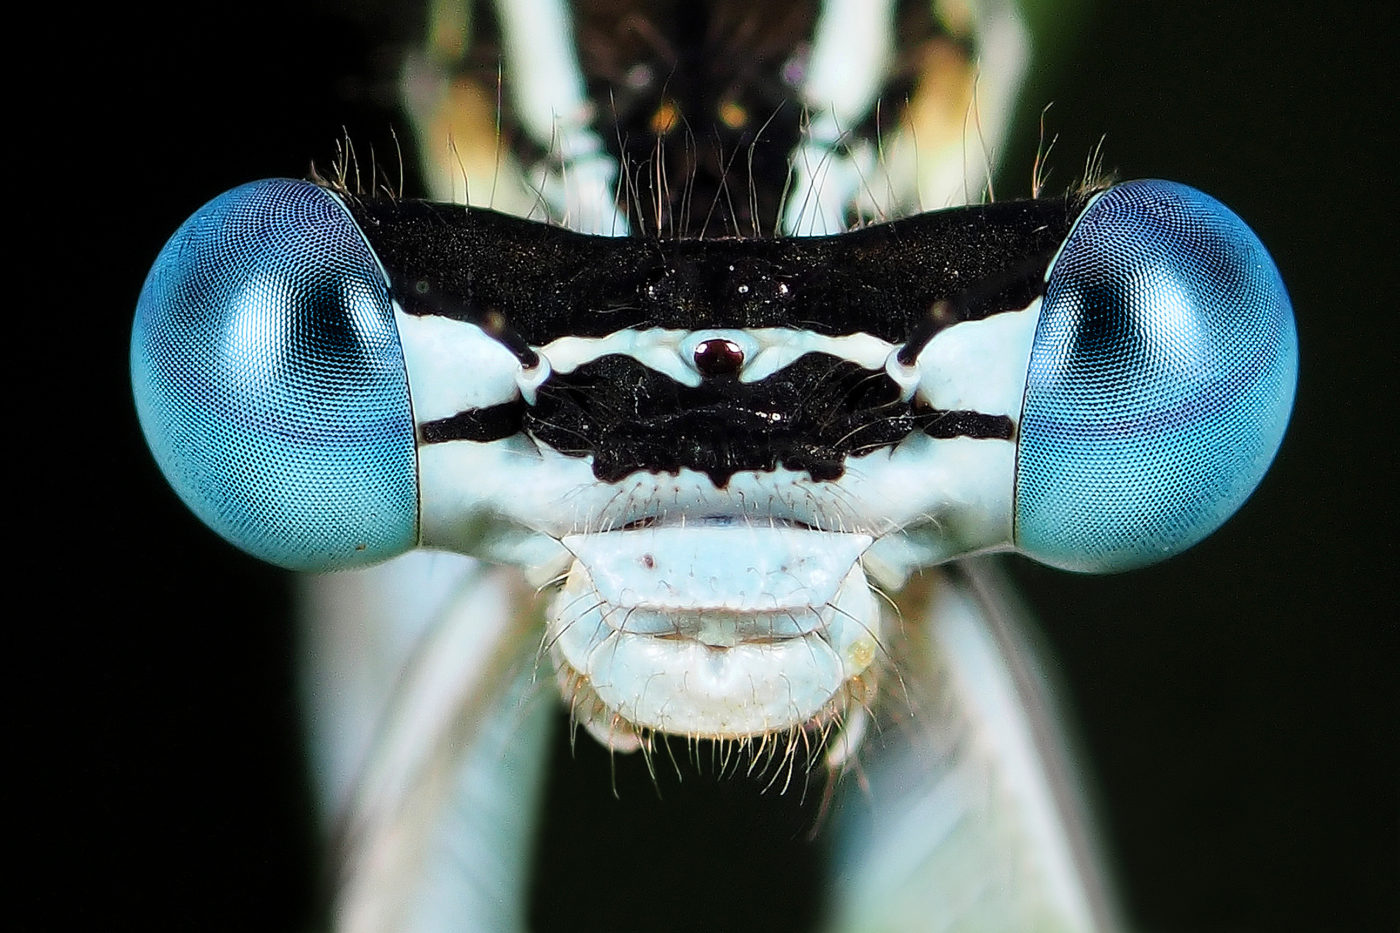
<point>715,442</point>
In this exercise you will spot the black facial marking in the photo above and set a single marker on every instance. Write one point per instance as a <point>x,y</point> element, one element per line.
<point>539,282</point>
<point>809,416</point>
<point>476,424</point>
<point>526,284</point>
<point>945,424</point>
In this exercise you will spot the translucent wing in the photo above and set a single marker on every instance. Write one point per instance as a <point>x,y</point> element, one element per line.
<point>428,737</point>
<point>970,814</point>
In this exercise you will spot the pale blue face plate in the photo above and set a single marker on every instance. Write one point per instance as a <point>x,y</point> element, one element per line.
<point>270,381</point>
<point>1160,382</point>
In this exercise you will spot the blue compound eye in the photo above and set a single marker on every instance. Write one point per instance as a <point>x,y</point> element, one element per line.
<point>270,381</point>
<point>1160,381</point>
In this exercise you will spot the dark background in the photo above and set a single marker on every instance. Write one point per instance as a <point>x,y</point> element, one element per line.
<point>1236,703</point>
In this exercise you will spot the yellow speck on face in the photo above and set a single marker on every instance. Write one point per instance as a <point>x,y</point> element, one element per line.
<point>732,115</point>
<point>665,118</point>
<point>861,653</point>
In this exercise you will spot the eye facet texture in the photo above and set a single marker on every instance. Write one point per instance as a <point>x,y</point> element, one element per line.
<point>1160,381</point>
<point>270,381</point>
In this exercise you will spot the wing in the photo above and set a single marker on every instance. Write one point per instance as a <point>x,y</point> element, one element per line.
<point>427,741</point>
<point>969,810</point>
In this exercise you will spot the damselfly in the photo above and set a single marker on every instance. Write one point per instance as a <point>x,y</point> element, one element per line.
<point>714,445</point>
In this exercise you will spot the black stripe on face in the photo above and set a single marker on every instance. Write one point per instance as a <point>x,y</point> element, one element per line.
<point>948,424</point>
<point>475,424</point>
<point>809,416</point>
<point>545,282</point>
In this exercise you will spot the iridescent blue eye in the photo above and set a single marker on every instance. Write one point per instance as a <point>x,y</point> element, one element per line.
<point>1160,382</point>
<point>270,380</point>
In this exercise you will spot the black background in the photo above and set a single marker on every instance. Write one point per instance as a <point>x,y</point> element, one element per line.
<point>1235,703</point>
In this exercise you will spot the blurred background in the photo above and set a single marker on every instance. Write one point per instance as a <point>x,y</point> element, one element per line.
<point>1237,704</point>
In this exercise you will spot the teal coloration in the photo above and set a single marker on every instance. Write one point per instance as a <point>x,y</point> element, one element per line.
<point>270,381</point>
<point>1160,381</point>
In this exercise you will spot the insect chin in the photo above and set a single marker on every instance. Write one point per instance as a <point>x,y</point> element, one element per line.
<point>833,737</point>
<point>764,637</point>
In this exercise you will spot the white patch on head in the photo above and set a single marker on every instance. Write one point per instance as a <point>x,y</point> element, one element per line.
<point>672,352</point>
<point>681,567</point>
<point>781,346</point>
<point>948,497</point>
<point>654,347</point>
<point>718,629</point>
<point>980,365</point>
<point>453,366</point>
